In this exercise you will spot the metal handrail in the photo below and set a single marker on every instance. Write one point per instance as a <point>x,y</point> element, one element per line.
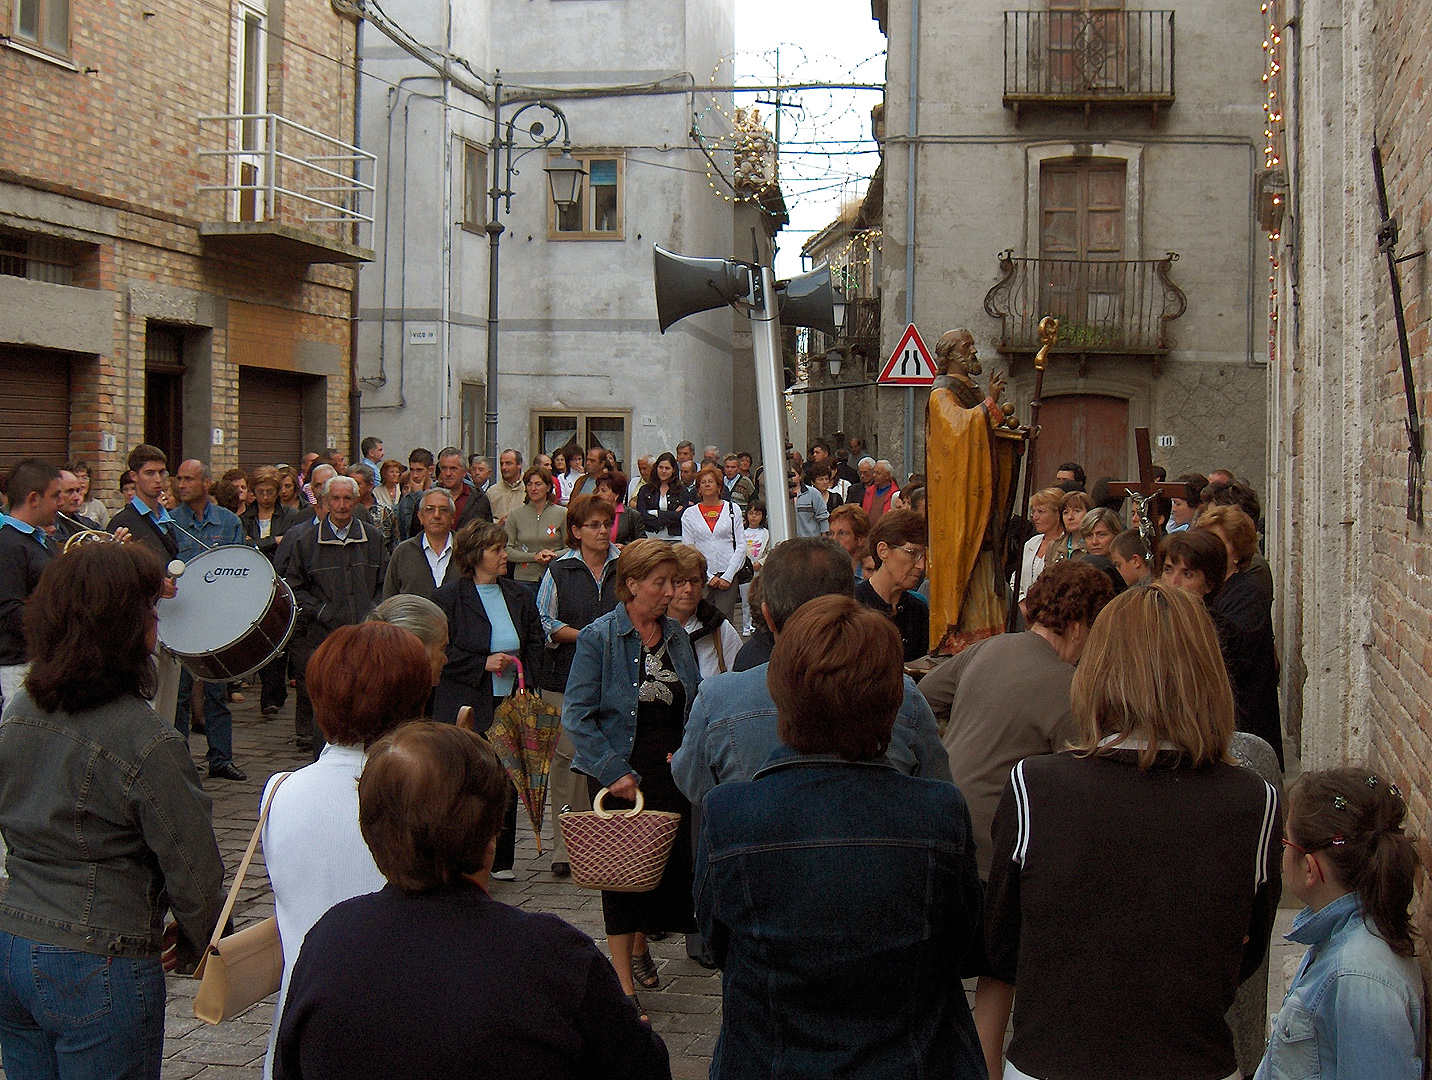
<point>1116,306</point>
<point>335,199</point>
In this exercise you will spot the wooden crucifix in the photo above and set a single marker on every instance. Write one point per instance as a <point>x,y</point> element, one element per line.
<point>1144,491</point>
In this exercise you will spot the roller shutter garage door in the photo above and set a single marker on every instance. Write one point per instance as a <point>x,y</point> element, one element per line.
<point>34,406</point>
<point>270,417</point>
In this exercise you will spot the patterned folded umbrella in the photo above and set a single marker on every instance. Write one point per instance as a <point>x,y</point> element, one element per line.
<point>524,734</point>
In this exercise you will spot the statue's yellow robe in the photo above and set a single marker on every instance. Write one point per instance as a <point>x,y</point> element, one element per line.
<point>960,473</point>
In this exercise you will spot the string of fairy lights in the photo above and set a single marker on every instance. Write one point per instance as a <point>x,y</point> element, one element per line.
<point>1273,144</point>
<point>814,143</point>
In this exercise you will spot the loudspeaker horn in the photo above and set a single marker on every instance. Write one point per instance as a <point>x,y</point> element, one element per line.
<point>685,285</point>
<point>808,301</point>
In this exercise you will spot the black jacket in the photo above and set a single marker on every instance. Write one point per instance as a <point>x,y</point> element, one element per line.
<point>668,520</point>
<point>143,529</point>
<point>283,517</point>
<point>336,582</point>
<point>465,679</point>
<point>22,561</point>
<point>579,604</point>
<point>453,983</point>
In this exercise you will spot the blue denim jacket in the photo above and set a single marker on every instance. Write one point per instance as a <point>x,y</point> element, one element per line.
<point>731,731</point>
<point>1355,1009</point>
<point>599,709</point>
<point>839,899</point>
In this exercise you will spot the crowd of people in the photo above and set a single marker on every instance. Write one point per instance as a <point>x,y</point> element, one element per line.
<point>1079,818</point>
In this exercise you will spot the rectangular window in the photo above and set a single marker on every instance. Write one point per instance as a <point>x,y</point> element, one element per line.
<point>45,23</point>
<point>474,410</point>
<point>598,212</point>
<point>608,430</point>
<point>36,257</point>
<point>474,187</point>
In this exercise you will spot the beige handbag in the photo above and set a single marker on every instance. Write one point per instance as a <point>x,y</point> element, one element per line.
<point>247,966</point>
<point>619,850</point>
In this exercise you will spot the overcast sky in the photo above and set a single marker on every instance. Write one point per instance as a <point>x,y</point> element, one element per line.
<point>827,155</point>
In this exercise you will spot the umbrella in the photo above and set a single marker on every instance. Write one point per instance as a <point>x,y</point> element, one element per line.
<point>524,734</point>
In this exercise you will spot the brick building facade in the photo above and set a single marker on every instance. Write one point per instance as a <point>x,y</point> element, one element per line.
<point>169,272</point>
<point>1354,571</point>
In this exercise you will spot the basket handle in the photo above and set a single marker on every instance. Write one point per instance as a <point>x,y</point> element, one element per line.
<point>604,814</point>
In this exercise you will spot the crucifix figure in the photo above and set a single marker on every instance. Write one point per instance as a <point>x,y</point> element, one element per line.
<point>1144,491</point>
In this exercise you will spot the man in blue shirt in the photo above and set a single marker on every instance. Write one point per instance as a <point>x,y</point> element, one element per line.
<point>203,524</point>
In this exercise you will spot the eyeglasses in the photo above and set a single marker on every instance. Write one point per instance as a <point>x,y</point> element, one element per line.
<point>1304,852</point>
<point>914,554</point>
<point>603,524</point>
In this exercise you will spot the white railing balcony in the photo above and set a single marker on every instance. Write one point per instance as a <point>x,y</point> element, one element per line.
<point>284,190</point>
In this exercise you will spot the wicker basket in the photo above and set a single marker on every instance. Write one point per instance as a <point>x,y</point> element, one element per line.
<point>619,850</point>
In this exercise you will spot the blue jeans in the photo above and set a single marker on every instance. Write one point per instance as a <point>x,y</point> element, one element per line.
<point>68,1015</point>
<point>218,721</point>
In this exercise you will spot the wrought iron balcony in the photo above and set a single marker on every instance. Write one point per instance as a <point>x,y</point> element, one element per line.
<point>1088,58</point>
<point>1118,306</point>
<point>286,191</point>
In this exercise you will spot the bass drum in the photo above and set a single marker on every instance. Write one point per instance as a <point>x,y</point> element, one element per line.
<point>232,615</point>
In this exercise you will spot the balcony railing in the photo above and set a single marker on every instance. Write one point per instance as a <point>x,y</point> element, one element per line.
<point>1118,306</point>
<point>1088,58</point>
<point>286,189</point>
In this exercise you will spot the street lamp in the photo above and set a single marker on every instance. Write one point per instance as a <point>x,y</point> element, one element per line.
<point>564,176</point>
<point>833,360</point>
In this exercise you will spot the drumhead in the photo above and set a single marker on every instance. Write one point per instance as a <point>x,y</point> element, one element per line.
<point>222,594</point>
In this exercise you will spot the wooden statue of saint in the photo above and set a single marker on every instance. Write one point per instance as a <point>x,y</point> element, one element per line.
<point>972,450</point>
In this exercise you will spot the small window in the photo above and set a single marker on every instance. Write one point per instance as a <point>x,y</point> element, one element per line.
<point>598,211</point>
<point>474,187</point>
<point>474,416</point>
<point>556,430</point>
<point>38,258</point>
<point>45,23</point>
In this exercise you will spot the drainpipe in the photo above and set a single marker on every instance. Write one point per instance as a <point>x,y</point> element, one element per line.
<point>355,393</point>
<point>912,130</point>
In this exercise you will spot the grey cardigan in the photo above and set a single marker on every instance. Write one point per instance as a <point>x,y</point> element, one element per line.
<point>409,571</point>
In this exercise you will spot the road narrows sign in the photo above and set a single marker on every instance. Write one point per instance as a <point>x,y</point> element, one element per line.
<point>910,364</point>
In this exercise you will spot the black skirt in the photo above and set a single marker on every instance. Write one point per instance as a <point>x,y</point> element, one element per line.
<point>668,907</point>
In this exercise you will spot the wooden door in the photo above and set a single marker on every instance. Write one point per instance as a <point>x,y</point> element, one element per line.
<point>1086,45</point>
<point>1088,428</point>
<point>1081,206</point>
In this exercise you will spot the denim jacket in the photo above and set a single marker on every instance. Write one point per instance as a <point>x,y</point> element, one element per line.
<point>839,898</point>
<point>107,828</point>
<point>731,731</point>
<point>599,710</point>
<point>1355,1009</point>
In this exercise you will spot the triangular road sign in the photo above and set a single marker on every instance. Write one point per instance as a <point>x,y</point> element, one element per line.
<point>910,364</point>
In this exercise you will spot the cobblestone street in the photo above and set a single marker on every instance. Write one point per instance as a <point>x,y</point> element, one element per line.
<point>686,1010</point>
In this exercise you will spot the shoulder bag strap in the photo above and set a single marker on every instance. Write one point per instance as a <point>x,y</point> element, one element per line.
<point>720,653</point>
<point>244,865</point>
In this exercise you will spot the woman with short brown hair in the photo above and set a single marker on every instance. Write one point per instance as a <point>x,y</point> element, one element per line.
<point>1145,832</point>
<point>633,679</point>
<point>492,625</point>
<point>712,635</point>
<point>897,545</point>
<point>364,681</point>
<point>430,976</point>
<point>713,526</point>
<point>838,894</point>
<point>107,827</point>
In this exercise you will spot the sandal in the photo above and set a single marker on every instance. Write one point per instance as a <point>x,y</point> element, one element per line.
<point>640,1012</point>
<point>643,970</point>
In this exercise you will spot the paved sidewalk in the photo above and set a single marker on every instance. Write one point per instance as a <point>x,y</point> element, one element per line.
<point>686,1010</point>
